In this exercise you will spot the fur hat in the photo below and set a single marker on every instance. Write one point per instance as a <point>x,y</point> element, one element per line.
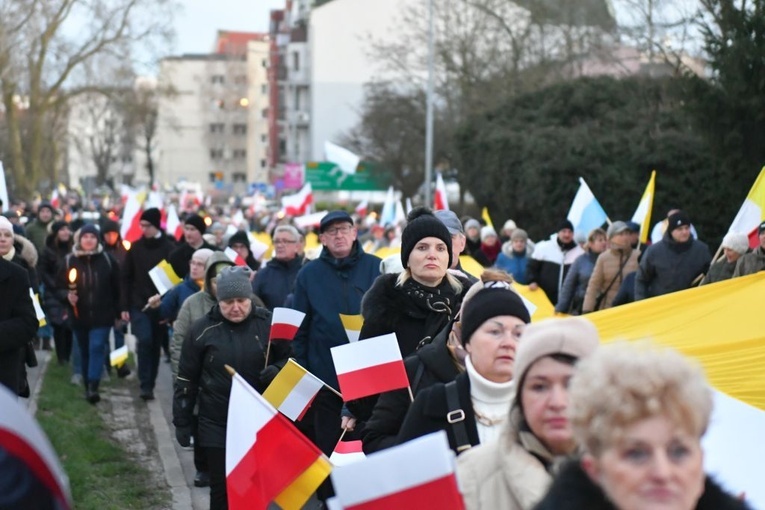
<point>234,282</point>
<point>736,241</point>
<point>421,223</point>
<point>491,302</point>
<point>487,231</point>
<point>153,216</point>
<point>197,222</point>
<point>574,336</point>
<point>677,219</point>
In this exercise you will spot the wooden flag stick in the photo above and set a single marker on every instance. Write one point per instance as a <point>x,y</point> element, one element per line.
<point>230,370</point>
<point>268,351</point>
<point>333,390</point>
<point>411,396</point>
<point>342,435</point>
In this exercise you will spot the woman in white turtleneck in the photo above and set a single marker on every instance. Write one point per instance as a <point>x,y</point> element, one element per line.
<point>491,324</point>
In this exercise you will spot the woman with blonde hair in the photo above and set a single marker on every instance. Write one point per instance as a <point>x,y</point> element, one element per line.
<point>514,472</point>
<point>638,413</point>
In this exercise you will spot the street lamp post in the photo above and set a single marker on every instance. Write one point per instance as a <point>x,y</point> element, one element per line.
<point>429,112</point>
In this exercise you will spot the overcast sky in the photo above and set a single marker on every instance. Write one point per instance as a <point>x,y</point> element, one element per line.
<point>199,21</point>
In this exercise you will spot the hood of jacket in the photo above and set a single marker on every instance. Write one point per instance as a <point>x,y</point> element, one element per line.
<point>214,259</point>
<point>25,249</point>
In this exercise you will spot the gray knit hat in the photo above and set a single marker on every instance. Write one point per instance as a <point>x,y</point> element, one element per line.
<point>736,241</point>
<point>574,336</point>
<point>234,282</point>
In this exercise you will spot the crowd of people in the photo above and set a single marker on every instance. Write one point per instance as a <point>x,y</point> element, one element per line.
<point>537,413</point>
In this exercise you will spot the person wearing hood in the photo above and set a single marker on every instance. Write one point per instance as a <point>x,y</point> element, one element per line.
<point>112,241</point>
<point>674,263</point>
<point>240,243</point>
<point>235,332</point>
<point>551,261</point>
<point>515,255</point>
<point>612,267</point>
<point>94,303</point>
<point>575,285</point>
<point>37,230</point>
<point>276,279</point>
<point>332,284</point>
<point>58,245</point>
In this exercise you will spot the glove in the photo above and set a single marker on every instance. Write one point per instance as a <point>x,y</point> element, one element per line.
<point>183,435</point>
<point>267,375</point>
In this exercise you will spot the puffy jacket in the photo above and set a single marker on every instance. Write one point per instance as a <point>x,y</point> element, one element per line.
<point>750,263</point>
<point>549,265</point>
<point>172,301</point>
<point>514,263</point>
<point>143,255</point>
<point>669,266</point>
<point>98,288</point>
<point>274,282</point>
<point>55,290</point>
<point>575,285</point>
<point>18,323</point>
<point>212,343</point>
<point>325,288</point>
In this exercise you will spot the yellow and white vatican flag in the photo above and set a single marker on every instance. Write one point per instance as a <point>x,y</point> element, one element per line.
<point>721,326</point>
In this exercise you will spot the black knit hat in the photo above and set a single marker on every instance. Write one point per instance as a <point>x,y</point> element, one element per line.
<point>677,219</point>
<point>421,223</point>
<point>239,237</point>
<point>488,303</point>
<point>565,224</point>
<point>153,216</point>
<point>197,222</point>
<point>58,225</point>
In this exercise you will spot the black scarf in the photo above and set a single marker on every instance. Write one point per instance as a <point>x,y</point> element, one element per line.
<point>565,246</point>
<point>437,305</point>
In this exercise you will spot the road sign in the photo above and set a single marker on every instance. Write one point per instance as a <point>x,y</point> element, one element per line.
<point>325,176</point>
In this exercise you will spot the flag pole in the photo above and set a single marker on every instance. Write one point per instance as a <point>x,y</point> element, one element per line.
<point>268,351</point>
<point>330,388</point>
<point>230,370</point>
<point>343,434</point>
<point>411,396</point>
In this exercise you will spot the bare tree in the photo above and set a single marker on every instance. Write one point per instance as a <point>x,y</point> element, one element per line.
<point>44,63</point>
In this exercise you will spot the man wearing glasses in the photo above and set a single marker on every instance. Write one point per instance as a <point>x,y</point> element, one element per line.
<point>274,282</point>
<point>332,284</point>
<point>137,287</point>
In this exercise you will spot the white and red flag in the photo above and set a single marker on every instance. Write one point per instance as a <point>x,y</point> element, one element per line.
<point>131,216</point>
<point>267,458</point>
<point>173,225</point>
<point>285,323</point>
<point>417,474</point>
<point>439,198</point>
<point>298,204</point>
<point>234,257</point>
<point>369,367</point>
<point>362,208</point>
<point>22,440</point>
<point>347,452</point>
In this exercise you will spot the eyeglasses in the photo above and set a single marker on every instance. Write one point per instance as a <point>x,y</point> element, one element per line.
<point>345,229</point>
<point>284,241</point>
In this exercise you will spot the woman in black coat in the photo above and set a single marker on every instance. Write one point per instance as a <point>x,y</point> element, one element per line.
<point>58,245</point>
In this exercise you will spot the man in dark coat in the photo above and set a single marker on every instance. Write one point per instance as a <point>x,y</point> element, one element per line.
<point>151,249</point>
<point>18,322</point>
<point>194,228</point>
<point>275,281</point>
<point>674,263</point>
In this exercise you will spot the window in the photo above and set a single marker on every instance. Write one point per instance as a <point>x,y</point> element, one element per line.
<point>240,79</point>
<point>240,129</point>
<point>216,127</point>
<point>215,177</point>
<point>216,153</point>
<point>239,153</point>
<point>264,89</point>
<point>265,113</point>
<point>295,61</point>
<point>262,163</point>
<point>239,177</point>
<point>218,104</point>
<point>264,138</point>
<point>217,79</point>
<point>264,62</point>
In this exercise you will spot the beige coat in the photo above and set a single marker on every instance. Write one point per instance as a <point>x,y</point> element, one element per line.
<point>501,474</point>
<point>606,268</point>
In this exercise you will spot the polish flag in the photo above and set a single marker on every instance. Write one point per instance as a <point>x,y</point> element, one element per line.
<point>298,204</point>
<point>361,209</point>
<point>369,367</point>
<point>285,323</point>
<point>439,199</point>
<point>752,212</point>
<point>347,452</point>
<point>131,217</point>
<point>267,459</point>
<point>292,390</point>
<point>24,444</point>
<point>173,225</point>
<point>55,199</point>
<point>416,474</point>
<point>234,257</point>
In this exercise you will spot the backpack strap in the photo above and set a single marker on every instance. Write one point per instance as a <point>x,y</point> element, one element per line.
<point>456,417</point>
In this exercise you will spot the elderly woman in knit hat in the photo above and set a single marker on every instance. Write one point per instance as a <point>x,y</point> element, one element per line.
<point>734,245</point>
<point>235,333</point>
<point>473,407</point>
<point>514,471</point>
<point>417,303</point>
<point>638,413</point>
<point>490,244</point>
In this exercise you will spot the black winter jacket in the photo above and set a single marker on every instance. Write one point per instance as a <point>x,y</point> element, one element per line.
<point>54,295</point>
<point>143,255</point>
<point>572,489</point>
<point>98,288</point>
<point>18,323</point>
<point>211,343</point>
<point>669,266</point>
<point>431,364</point>
<point>180,257</point>
<point>430,409</point>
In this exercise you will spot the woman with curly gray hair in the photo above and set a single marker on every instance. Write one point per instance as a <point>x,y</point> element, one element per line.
<point>638,412</point>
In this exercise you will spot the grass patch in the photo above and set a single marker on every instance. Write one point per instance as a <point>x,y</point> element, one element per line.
<point>101,473</point>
